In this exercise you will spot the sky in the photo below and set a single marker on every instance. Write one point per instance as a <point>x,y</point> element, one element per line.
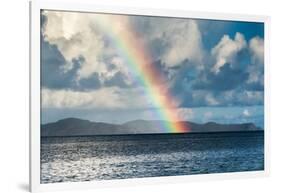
<point>118,68</point>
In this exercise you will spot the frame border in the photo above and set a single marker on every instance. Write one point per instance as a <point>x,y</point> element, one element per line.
<point>35,96</point>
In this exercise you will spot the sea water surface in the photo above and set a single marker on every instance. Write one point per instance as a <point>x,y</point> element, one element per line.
<point>76,159</point>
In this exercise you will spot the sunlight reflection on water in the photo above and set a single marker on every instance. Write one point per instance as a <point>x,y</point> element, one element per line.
<point>72,159</point>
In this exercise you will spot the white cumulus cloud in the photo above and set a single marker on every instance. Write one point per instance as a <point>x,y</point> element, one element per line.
<point>226,50</point>
<point>246,113</point>
<point>81,35</point>
<point>84,35</point>
<point>256,46</point>
<point>184,38</point>
<point>171,40</point>
<point>105,98</point>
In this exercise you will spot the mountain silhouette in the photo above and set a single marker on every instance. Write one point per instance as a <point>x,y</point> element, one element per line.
<point>80,127</point>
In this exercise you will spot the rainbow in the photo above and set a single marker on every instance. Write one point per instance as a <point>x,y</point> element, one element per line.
<point>140,64</point>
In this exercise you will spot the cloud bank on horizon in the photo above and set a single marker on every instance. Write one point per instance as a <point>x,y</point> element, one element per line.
<point>213,65</point>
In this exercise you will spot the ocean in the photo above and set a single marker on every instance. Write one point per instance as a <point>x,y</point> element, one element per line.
<point>78,159</point>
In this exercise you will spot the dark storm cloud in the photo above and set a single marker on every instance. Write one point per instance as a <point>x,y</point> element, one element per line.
<point>227,78</point>
<point>118,79</point>
<point>93,82</point>
<point>255,86</point>
<point>52,62</point>
<point>55,77</point>
<point>230,86</point>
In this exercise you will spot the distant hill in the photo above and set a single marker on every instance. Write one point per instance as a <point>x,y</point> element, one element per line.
<point>79,127</point>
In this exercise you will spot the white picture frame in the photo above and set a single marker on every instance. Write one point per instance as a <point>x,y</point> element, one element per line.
<point>35,101</point>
